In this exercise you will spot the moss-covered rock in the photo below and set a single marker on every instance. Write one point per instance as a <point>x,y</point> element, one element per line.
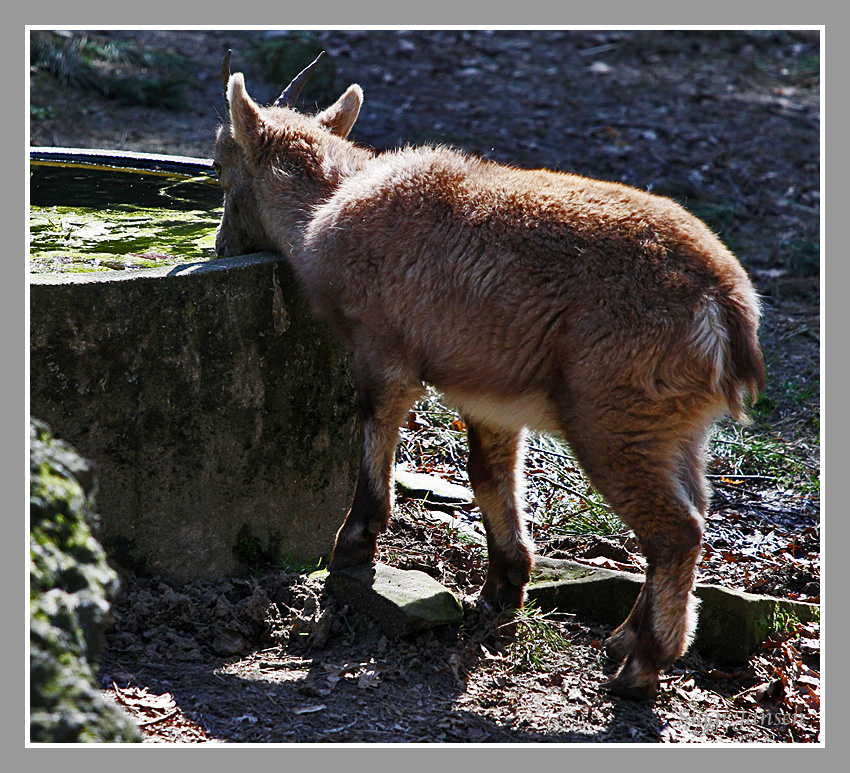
<point>732,624</point>
<point>71,592</point>
<point>431,488</point>
<point>398,601</point>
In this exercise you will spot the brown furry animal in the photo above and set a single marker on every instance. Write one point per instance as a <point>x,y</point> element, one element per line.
<point>530,299</point>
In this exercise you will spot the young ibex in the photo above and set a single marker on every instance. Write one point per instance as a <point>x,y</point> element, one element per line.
<point>530,299</point>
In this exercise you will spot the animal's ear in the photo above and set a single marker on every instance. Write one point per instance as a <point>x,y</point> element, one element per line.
<point>245,116</point>
<point>341,115</point>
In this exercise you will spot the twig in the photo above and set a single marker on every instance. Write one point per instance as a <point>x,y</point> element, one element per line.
<point>570,490</point>
<point>741,477</point>
<point>734,487</point>
<point>599,49</point>
<point>550,453</point>
<point>159,719</point>
<point>297,663</point>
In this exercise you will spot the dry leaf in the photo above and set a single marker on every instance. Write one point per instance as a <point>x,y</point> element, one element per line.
<point>142,699</point>
<point>368,677</point>
<point>808,680</point>
<point>490,655</point>
<point>455,665</point>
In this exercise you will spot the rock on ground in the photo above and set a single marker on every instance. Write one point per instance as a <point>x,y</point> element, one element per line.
<point>732,624</point>
<point>399,601</point>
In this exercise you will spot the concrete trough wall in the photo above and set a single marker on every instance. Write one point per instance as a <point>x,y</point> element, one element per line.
<point>219,413</point>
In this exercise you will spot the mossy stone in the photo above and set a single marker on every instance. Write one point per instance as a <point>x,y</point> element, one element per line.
<point>732,624</point>
<point>398,601</point>
<point>72,588</point>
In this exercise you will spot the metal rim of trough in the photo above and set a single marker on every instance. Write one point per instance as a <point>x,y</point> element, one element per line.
<point>127,160</point>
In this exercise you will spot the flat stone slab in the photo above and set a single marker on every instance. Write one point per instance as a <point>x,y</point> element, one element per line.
<point>398,601</point>
<point>431,488</point>
<point>465,530</point>
<point>732,624</point>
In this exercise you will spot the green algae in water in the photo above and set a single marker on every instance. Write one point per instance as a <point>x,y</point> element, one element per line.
<point>80,239</point>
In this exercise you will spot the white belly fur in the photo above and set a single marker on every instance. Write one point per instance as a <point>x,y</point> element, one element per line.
<point>514,413</point>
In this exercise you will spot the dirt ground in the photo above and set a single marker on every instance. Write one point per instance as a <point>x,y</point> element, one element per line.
<point>727,123</point>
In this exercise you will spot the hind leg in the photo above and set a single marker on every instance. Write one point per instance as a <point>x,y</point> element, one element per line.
<point>660,626</point>
<point>654,481</point>
<point>495,472</point>
<point>694,493</point>
<point>382,405</point>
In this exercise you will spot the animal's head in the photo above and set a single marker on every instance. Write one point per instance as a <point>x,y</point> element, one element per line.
<point>274,163</point>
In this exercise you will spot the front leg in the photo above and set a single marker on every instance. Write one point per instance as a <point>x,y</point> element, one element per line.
<point>357,538</point>
<point>382,408</point>
<point>495,472</point>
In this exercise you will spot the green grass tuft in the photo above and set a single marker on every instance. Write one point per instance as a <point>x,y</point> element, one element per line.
<point>737,451</point>
<point>538,636</point>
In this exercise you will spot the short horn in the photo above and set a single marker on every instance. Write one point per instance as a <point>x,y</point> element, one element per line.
<point>225,71</point>
<point>291,92</point>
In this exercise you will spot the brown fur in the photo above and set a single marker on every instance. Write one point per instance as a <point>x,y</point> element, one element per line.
<point>533,299</point>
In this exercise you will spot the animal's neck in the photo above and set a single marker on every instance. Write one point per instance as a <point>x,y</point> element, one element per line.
<point>341,159</point>
<point>322,167</point>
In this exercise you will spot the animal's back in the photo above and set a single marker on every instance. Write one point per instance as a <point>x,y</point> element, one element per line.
<point>506,274</point>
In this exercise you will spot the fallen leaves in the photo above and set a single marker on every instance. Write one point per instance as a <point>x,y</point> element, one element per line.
<point>365,674</point>
<point>145,706</point>
<point>140,698</point>
<point>789,689</point>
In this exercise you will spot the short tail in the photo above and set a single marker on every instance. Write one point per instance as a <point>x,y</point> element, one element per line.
<point>744,372</point>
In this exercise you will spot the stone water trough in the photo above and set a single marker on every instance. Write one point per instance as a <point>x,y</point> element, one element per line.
<point>219,414</point>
